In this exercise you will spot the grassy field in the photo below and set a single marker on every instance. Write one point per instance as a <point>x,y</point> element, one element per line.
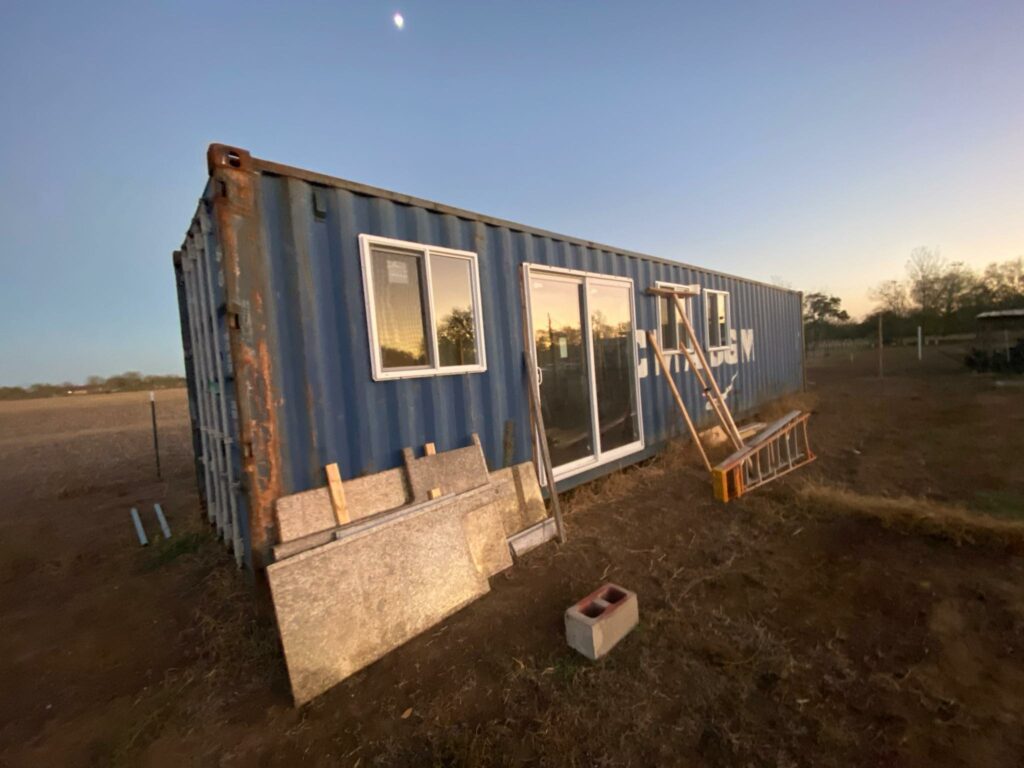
<point>866,611</point>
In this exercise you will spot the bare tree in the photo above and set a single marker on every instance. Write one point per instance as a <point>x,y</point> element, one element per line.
<point>925,269</point>
<point>891,296</point>
<point>955,286</point>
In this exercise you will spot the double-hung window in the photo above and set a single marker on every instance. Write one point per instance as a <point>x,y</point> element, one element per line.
<point>422,308</point>
<point>671,328</point>
<point>719,319</point>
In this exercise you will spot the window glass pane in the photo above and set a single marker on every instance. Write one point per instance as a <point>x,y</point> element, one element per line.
<point>717,319</point>
<point>398,308</point>
<point>669,338</point>
<point>723,320</point>
<point>710,300</point>
<point>684,337</point>
<point>557,310</point>
<point>611,329</point>
<point>452,285</point>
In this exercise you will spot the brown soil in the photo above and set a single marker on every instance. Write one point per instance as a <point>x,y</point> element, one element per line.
<point>866,611</point>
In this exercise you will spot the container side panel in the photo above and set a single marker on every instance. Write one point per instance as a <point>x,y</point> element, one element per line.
<point>190,374</point>
<point>276,304</point>
<point>330,409</point>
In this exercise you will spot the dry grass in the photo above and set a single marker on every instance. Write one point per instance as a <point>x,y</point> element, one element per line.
<point>917,516</point>
<point>800,401</point>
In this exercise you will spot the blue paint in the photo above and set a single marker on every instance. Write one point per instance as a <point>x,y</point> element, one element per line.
<point>329,409</point>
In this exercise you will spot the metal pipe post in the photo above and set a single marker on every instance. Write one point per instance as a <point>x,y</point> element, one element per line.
<point>164,527</point>
<point>139,530</point>
<point>156,440</point>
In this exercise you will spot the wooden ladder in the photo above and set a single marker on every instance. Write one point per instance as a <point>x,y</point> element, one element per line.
<point>775,451</point>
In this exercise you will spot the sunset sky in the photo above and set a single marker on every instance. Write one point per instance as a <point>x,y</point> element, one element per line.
<point>814,143</point>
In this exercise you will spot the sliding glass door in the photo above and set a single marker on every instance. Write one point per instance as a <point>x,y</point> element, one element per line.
<point>583,332</point>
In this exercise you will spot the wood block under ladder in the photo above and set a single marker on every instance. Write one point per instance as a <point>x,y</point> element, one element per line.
<point>434,493</point>
<point>720,484</point>
<point>337,492</point>
<point>727,484</point>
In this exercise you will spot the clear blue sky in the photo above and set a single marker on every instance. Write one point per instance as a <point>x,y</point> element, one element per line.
<point>814,142</point>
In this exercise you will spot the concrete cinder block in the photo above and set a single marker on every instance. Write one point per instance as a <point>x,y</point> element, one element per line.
<point>600,620</point>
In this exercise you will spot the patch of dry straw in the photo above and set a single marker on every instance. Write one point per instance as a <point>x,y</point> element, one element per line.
<point>918,516</point>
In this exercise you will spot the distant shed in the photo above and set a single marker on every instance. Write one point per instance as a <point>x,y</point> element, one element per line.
<point>328,321</point>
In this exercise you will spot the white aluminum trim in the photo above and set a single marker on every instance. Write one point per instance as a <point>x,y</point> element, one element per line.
<point>687,302</point>
<point>424,251</point>
<point>728,319</point>
<point>580,466</point>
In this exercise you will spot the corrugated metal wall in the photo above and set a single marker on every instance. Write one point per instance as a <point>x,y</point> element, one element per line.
<point>311,331</point>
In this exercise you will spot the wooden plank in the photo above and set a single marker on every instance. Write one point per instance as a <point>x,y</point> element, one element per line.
<point>429,449</point>
<point>731,425</point>
<point>337,491</point>
<point>704,379</point>
<point>671,292</point>
<point>751,429</point>
<point>699,364</point>
<point>653,342</point>
<point>508,444</point>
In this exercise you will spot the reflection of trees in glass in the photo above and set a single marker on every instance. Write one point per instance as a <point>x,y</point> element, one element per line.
<point>392,357</point>
<point>613,366</point>
<point>547,338</point>
<point>603,329</point>
<point>456,338</point>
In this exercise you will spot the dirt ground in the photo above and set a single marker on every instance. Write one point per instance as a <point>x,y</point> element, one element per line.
<point>866,611</point>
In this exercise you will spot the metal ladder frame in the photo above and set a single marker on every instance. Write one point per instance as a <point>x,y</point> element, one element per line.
<point>756,462</point>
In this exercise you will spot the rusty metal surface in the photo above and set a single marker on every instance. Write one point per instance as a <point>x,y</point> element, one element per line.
<point>293,316</point>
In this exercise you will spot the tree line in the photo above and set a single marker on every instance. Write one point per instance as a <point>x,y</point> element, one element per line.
<point>940,296</point>
<point>129,381</point>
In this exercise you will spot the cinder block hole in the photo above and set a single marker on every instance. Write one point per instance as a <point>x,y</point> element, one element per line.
<point>613,595</point>
<point>592,610</point>
<point>234,160</point>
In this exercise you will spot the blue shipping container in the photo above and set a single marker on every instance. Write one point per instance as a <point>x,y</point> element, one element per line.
<point>328,321</point>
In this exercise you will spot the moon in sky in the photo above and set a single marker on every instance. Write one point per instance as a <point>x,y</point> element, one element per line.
<point>399,20</point>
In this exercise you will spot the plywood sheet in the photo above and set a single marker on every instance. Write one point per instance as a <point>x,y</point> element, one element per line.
<point>453,471</point>
<point>526,506</point>
<point>302,514</point>
<point>343,605</point>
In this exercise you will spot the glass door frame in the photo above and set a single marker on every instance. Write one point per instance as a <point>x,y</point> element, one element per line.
<point>585,279</point>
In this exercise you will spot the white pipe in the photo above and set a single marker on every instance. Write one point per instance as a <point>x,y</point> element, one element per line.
<point>162,520</point>
<point>139,530</point>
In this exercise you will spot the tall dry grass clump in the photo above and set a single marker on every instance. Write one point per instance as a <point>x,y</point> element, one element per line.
<point>918,516</point>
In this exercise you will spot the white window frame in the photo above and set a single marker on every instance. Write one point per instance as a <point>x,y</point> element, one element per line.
<point>728,320</point>
<point>433,367</point>
<point>688,305</point>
